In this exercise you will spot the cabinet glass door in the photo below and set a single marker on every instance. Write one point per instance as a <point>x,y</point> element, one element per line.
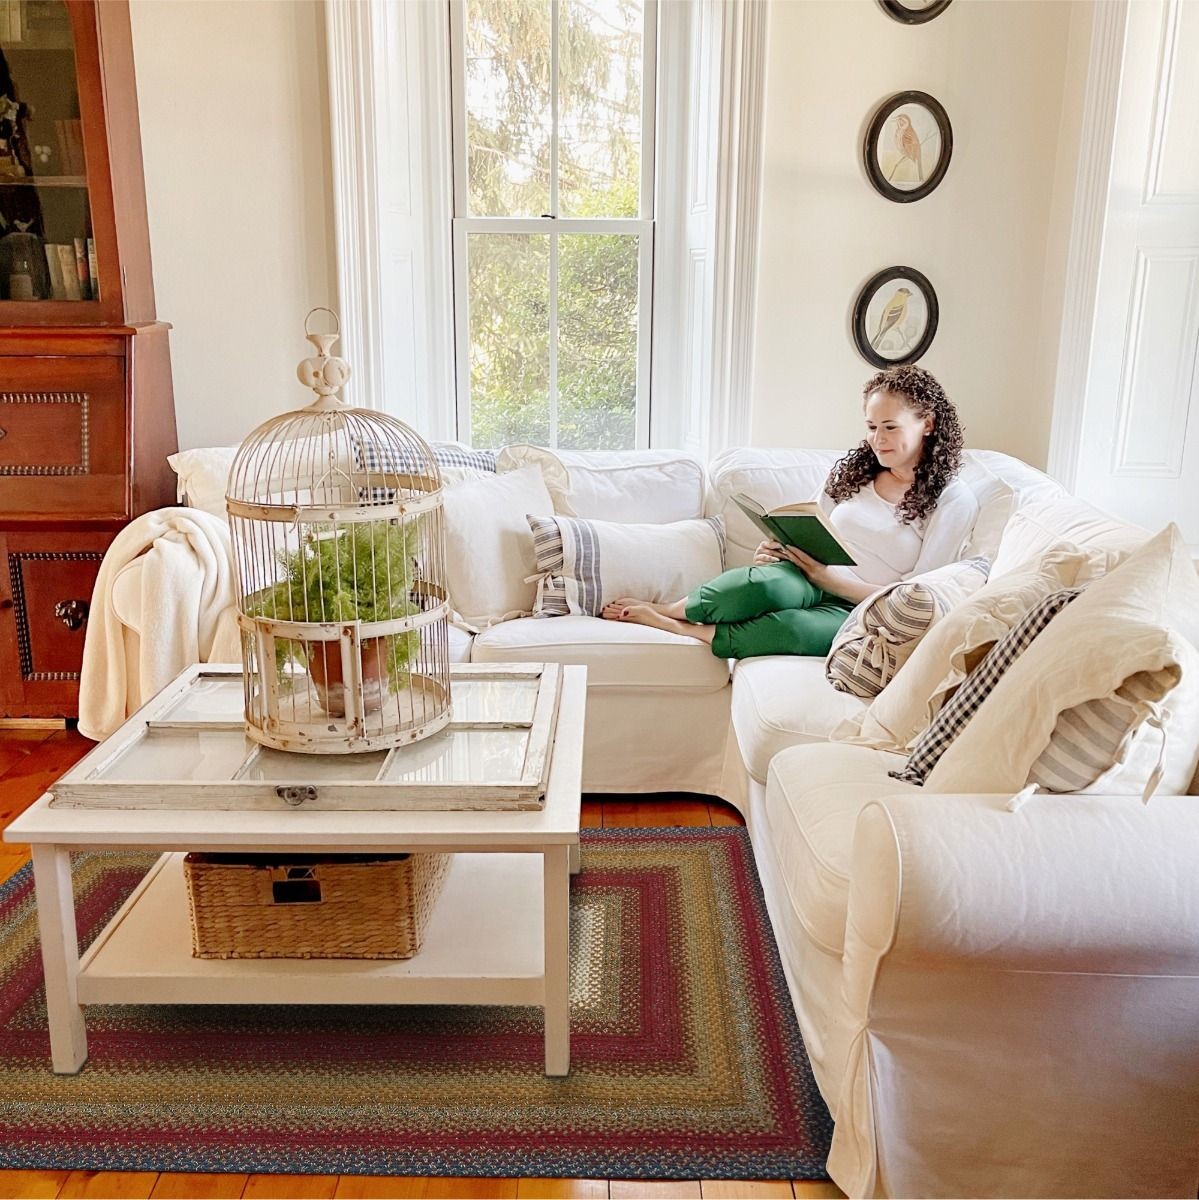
<point>47,251</point>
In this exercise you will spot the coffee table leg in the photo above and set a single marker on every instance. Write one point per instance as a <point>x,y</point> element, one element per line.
<point>60,957</point>
<point>557,960</point>
<point>576,858</point>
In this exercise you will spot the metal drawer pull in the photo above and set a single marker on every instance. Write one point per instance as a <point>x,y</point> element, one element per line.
<point>72,613</point>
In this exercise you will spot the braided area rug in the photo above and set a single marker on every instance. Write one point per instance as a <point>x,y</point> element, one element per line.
<point>686,1058</point>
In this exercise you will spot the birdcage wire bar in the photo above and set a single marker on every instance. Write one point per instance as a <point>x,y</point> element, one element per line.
<point>336,522</point>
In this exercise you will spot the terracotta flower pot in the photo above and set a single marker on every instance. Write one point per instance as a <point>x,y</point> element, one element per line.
<point>324,667</point>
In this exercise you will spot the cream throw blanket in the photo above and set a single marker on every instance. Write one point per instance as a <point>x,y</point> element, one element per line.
<point>188,603</point>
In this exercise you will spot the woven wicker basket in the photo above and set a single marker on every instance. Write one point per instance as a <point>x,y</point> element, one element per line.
<point>311,906</point>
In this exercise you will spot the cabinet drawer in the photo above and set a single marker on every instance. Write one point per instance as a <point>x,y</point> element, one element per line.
<point>62,436</point>
<point>47,586</point>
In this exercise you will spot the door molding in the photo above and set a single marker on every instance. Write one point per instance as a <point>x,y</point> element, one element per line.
<point>1092,183</point>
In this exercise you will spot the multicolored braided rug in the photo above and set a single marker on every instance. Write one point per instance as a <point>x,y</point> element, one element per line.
<point>686,1059</point>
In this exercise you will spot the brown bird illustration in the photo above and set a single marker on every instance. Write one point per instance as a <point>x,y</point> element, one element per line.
<point>894,311</point>
<point>908,144</point>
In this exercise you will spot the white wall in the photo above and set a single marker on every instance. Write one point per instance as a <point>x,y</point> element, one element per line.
<point>234,122</point>
<point>991,238</point>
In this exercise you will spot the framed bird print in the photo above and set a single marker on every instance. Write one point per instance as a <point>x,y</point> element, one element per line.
<point>895,317</point>
<point>908,145</point>
<point>914,12</point>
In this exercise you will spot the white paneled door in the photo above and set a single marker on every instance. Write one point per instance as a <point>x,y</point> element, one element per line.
<point>1139,441</point>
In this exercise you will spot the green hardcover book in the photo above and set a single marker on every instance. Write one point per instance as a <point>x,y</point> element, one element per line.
<point>801,525</point>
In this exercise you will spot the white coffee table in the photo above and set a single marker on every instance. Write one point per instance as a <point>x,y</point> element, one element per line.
<point>499,934</point>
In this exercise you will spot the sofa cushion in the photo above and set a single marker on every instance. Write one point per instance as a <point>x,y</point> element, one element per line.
<point>645,486</point>
<point>616,653</point>
<point>813,797</point>
<point>586,564</point>
<point>488,546</point>
<point>782,701</point>
<point>772,478</point>
<point>1037,525</point>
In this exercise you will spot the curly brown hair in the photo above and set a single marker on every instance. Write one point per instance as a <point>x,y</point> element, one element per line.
<point>940,460</point>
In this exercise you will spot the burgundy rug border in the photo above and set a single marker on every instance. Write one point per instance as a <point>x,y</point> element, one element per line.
<point>711,1161</point>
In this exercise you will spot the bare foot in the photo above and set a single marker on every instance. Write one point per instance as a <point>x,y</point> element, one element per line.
<point>649,614</point>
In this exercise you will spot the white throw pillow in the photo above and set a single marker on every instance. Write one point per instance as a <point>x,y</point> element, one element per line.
<point>903,710</point>
<point>636,486</point>
<point>203,474</point>
<point>1140,619</point>
<point>585,564</point>
<point>882,632</point>
<point>489,549</point>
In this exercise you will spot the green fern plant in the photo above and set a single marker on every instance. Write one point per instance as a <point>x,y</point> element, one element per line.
<point>359,572</point>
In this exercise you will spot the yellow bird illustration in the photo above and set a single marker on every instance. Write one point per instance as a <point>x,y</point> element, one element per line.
<point>894,311</point>
<point>908,144</point>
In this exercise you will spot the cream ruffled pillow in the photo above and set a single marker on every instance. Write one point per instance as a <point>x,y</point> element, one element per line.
<point>1140,621</point>
<point>903,710</point>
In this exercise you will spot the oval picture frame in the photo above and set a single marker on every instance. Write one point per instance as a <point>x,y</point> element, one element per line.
<point>913,14</point>
<point>893,150</point>
<point>885,337</point>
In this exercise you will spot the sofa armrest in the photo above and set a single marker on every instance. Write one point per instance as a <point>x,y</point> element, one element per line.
<point>1065,883</point>
<point>1019,991</point>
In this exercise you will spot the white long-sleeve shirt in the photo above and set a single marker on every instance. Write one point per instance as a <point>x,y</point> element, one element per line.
<point>888,551</point>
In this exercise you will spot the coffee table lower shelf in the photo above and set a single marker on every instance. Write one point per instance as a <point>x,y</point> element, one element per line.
<point>484,944</point>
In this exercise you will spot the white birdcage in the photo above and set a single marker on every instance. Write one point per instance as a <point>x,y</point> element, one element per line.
<point>337,532</point>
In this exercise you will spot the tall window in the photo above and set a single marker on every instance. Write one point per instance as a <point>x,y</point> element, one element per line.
<point>553,224</point>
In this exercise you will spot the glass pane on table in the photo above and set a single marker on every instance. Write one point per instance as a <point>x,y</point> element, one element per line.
<point>279,766</point>
<point>494,699</point>
<point>461,756</point>
<point>209,699</point>
<point>177,755</point>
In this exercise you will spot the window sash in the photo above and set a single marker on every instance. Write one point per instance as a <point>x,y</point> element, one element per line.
<point>552,226</point>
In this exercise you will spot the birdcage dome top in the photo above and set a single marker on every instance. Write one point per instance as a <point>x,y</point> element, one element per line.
<point>328,454</point>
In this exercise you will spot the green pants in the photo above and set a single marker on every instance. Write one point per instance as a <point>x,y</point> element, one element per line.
<point>772,609</point>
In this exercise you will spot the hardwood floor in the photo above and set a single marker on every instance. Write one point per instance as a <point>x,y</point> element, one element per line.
<point>31,760</point>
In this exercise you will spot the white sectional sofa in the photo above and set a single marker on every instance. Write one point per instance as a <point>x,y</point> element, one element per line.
<point>995,1002</point>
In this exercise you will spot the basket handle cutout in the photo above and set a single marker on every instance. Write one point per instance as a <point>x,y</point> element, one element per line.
<point>296,891</point>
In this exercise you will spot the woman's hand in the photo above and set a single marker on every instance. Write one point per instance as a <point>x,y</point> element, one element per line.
<point>766,553</point>
<point>817,572</point>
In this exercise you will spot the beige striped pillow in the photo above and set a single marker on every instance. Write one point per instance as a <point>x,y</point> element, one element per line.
<point>880,634</point>
<point>1093,737</point>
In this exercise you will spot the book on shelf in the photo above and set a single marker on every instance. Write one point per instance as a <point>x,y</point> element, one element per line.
<point>12,26</point>
<point>85,283</point>
<point>69,270</point>
<point>70,147</point>
<point>58,288</point>
<point>801,525</point>
<point>93,274</point>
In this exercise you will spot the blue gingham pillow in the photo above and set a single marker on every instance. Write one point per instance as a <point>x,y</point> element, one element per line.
<point>449,456</point>
<point>965,702</point>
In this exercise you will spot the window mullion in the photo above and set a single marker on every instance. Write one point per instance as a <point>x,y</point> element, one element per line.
<point>553,236</point>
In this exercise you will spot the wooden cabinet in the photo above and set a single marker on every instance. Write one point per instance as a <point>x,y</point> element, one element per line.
<point>87,414</point>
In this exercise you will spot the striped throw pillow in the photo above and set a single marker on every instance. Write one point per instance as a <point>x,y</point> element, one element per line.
<point>583,564</point>
<point>977,686</point>
<point>1091,738</point>
<point>880,635</point>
